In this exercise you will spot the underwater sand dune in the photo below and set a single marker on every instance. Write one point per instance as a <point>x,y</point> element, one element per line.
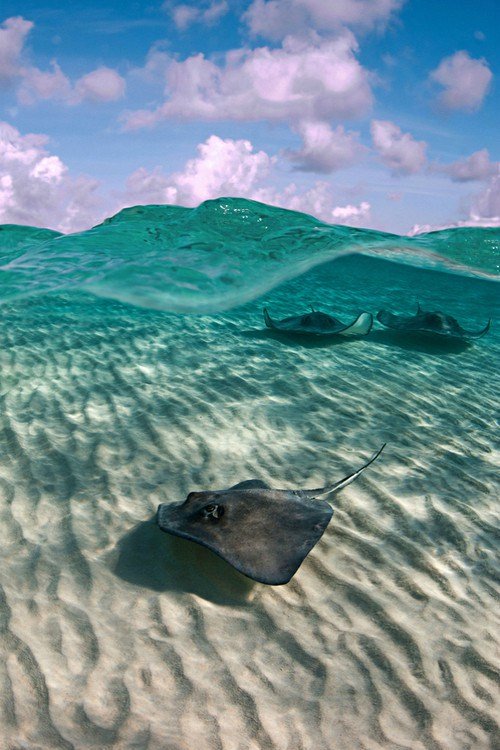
<point>114,635</point>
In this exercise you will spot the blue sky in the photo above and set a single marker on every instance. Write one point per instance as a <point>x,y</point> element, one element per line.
<point>376,113</point>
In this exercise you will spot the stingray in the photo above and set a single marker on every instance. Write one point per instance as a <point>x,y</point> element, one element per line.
<point>435,323</point>
<point>320,324</point>
<point>263,533</point>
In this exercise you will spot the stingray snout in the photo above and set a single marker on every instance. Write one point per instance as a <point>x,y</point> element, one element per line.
<point>167,514</point>
<point>172,518</point>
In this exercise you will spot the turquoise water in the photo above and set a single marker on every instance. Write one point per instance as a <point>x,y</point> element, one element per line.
<point>114,635</point>
<point>216,256</point>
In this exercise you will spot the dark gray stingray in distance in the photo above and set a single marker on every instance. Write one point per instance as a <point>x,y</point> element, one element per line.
<point>320,324</point>
<point>437,323</point>
<point>263,533</point>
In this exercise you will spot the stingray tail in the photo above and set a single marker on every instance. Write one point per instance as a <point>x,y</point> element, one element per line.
<point>268,320</point>
<point>482,332</point>
<point>332,488</point>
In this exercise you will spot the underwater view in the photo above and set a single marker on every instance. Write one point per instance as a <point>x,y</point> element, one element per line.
<point>137,365</point>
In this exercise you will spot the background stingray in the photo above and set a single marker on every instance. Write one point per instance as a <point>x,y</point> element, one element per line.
<point>321,324</point>
<point>429,322</point>
<point>263,533</point>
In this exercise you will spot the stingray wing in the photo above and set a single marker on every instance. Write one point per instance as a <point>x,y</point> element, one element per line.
<point>320,324</point>
<point>476,334</point>
<point>272,536</point>
<point>397,322</point>
<point>261,533</point>
<point>251,484</point>
<point>292,324</point>
<point>361,326</point>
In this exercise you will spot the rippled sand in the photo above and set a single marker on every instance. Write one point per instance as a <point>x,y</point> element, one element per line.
<point>114,635</point>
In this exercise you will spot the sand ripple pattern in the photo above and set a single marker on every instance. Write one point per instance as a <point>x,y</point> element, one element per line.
<point>113,635</point>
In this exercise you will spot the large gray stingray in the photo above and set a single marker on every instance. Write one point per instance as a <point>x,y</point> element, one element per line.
<point>321,324</point>
<point>263,533</point>
<point>430,323</point>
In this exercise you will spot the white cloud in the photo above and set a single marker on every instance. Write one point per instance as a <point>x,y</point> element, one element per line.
<point>486,205</point>
<point>38,84</point>
<point>324,149</point>
<point>13,33</point>
<point>49,169</point>
<point>274,19</point>
<point>352,214</point>
<point>424,228</point>
<point>311,79</point>
<point>317,201</point>
<point>484,211</point>
<point>100,85</point>
<point>232,168</point>
<point>35,187</point>
<point>222,167</point>
<point>184,15</point>
<point>399,151</point>
<point>465,80</point>
<point>477,166</point>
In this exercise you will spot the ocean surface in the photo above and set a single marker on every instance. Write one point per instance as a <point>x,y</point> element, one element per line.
<point>135,367</point>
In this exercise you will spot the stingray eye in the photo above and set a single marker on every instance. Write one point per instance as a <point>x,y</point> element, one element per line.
<point>213,512</point>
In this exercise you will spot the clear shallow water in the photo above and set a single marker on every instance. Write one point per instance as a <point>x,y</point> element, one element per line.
<point>114,635</point>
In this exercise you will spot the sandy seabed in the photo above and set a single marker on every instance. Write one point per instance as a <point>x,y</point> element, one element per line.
<point>114,635</point>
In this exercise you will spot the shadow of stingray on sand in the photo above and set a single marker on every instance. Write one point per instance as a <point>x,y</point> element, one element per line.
<point>416,342</point>
<point>308,341</point>
<point>149,558</point>
<point>419,342</point>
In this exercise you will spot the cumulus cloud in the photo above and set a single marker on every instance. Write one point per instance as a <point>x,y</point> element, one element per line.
<point>232,167</point>
<point>484,211</point>
<point>39,85</point>
<point>465,81</point>
<point>313,79</point>
<point>222,167</point>
<point>36,189</point>
<point>317,201</point>
<point>349,214</point>
<point>274,19</point>
<point>184,15</point>
<point>325,150</point>
<point>477,166</point>
<point>399,151</point>
<point>100,85</point>
<point>486,205</point>
<point>13,33</point>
